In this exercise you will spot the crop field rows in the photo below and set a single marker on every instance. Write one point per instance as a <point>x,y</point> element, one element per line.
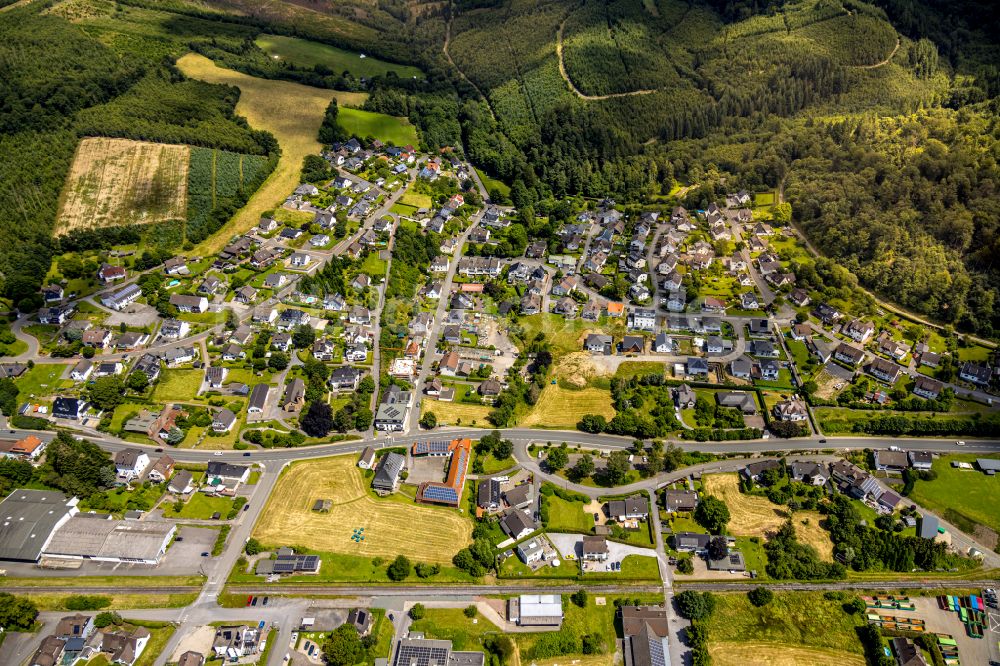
<point>119,181</point>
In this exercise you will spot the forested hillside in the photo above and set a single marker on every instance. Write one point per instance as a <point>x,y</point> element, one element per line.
<point>126,89</point>
<point>875,119</point>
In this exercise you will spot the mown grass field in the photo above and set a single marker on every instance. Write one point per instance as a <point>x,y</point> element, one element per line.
<point>567,516</point>
<point>290,111</point>
<point>969,493</point>
<point>562,408</point>
<point>456,413</point>
<point>119,181</point>
<point>305,53</point>
<point>57,601</point>
<point>200,507</point>
<point>432,534</point>
<point>795,628</point>
<point>41,380</point>
<point>388,129</point>
<point>177,384</point>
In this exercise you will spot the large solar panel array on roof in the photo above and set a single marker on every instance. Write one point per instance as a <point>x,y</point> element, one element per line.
<point>421,655</point>
<point>440,493</point>
<point>292,563</point>
<point>425,448</point>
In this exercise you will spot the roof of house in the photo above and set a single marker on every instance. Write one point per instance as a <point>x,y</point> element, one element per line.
<point>596,545</point>
<point>928,526</point>
<point>517,521</point>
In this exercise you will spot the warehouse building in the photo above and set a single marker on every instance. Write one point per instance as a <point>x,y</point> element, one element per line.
<point>535,610</point>
<point>28,519</point>
<point>126,541</point>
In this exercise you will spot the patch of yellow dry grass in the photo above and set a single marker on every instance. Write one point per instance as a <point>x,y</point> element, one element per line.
<point>751,515</point>
<point>392,527</point>
<point>771,654</point>
<point>291,112</point>
<point>456,413</point>
<point>563,408</point>
<point>120,181</point>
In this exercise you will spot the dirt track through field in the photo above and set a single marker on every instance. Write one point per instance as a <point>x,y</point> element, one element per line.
<point>771,654</point>
<point>423,533</point>
<point>120,181</point>
<point>756,516</point>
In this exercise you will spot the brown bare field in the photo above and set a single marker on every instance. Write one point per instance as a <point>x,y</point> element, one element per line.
<point>291,112</point>
<point>120,181</point>
<point>751,515</point>
<point>393,526</point>
<point>771,654</point>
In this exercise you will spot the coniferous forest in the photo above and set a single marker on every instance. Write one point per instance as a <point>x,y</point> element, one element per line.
<point>876,121</point>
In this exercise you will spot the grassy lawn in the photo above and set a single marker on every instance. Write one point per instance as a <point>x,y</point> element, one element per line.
<point>403,209</point>
<point>346,568</point>
<point>562,408</point>
<point>456,413</point>
<point>763,199</point>
<point>784,380</point>
<point>246,376</point>
<point>41,380</point>
<point>160,633</point>
<point>308,54</point>
<point>753,555</point>
<point>965,493</point>
<point>119,500</point>
<point>200,507</point>
<point>123,411</point>
<point>841,420</point>
<point>564,336</point>
<point>135,581</point>
<point>975,353</point>
<point>451,624</point>
<point>642,537</point>
<point>567,516</point>
<point>389,129</point>
<point>416,199</point>
<point>57,601</point>
<point>373,266</point>
<point>177,385</point>
<point>493,184</point>
<point>794,620</point>
<point>629,369</point>
<point>491,465</point>
<point>799,352</point>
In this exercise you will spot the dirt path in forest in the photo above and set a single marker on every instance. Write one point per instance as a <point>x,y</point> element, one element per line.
<point>569,82</point>
<point>883,63</point>
<point>447,41</point>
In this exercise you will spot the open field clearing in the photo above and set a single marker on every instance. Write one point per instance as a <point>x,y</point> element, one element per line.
<point>56,601</point>
<point>767,654</point>
<point>389,129</point>
<point>751,515</point>
<point>290,111</point>
<point>563,408</point>
<point>756,516</point>
<point>960,493</point>
<point>456,413</point>
<point>305,53</point>
<point>427,534</point>
<point>118,181</point>
<point>795,628</point>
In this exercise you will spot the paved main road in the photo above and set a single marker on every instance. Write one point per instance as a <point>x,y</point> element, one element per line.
<point>528,435</point>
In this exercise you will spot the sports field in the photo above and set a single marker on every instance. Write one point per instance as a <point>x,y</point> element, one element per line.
<point>389,129</point>
<point>305,53</point>
<point>752,515</point>
<point>392,526</point>
<point>118,181</point>
<point>290,111</point>
<point>563,408</point>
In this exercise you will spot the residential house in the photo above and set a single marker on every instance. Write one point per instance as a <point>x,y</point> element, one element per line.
<point>633,344</point>
<point>215,376</point>
<point>161,469</point>
<point>387,474</point>
<point>631,508</point>
<point>790,410</point>
<point>211,285</point>
<point>98,338</point>
<point>848,354</point>
<point>295,395</point>
<point>258,399</point>
<point>344,378</point>
<point>81,371</point>
<point>663,344</point>
<point>680,500</point>
<point>808,472</point>
<point>122,298</point>
<point>853,481</point>
<point>859,331</point>
<point>595,549</point>
<point>697,366</point>
<point>975,373</point>
<point>55,316</point>
<point>921,459</point>
<point>642,319</point>
<point>186,303</point>
<point>130,464</point>
<point>223,420</point>
<point>108,273</point>
<point>517,524</point>
<point>886,371</point>
<point>741,400</point>
<point>393,410</point>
